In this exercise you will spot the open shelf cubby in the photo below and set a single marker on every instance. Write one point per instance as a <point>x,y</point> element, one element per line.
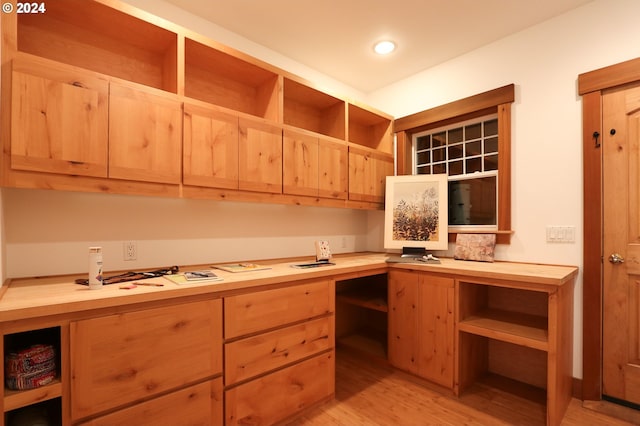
<point>15,342</point>
<point>361,315</point>
<point>370,129</point>
<point>311,109</point>
<point>99,38</point>
<point>219,78</point>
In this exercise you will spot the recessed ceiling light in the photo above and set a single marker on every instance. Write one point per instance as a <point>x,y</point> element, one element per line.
<point>384,47</point>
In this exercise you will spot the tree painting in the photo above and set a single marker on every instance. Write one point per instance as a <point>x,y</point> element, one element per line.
<point>415,212</point>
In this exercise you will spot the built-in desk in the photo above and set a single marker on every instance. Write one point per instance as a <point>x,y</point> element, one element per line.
<point>510,320</point>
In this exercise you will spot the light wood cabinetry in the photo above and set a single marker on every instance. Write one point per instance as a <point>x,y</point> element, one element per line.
<point>260,151</point>
<point>210,147</point>
<point>368,170</point>
<point>273,398</point>
<point>518,330</point>
<point>156,355</point>
<point>145,135</point>
<point>421,325</point>
<point>279,351</point>
<point>199,404</point>
<point>52,397</point>
<point>107,38</point>
<point>59,119</point>
<point>151,67</point>
<point>314,166</point>
<point>120,359</point>
<point>361,315</point>
<point>217,75</point>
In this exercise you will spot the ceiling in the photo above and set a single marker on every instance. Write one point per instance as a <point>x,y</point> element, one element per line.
<point>336,37</point>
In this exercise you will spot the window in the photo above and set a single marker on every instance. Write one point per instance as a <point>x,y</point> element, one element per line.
<point>470,140</point>
<point>468,153</point>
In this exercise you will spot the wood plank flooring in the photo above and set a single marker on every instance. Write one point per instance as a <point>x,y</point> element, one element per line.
<point>370,393</point>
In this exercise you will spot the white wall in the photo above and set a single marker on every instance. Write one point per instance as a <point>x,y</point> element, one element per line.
<point>49,232</point>
<point>543,62</point>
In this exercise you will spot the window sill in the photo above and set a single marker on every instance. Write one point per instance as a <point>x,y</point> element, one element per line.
<point>502,236</point>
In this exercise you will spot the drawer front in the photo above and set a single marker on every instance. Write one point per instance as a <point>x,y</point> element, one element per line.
<point>196,405</point>
<point>255,355</point>
<point>277,396</point>
<point>121,358</point>
<point>262,310</point>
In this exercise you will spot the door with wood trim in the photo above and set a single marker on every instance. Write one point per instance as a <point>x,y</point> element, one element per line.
<point>621,269</point>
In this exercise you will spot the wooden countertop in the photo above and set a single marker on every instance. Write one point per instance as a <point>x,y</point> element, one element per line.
<point>26,298</point>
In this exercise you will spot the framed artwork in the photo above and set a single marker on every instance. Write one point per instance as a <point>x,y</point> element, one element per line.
<point>415,212</point>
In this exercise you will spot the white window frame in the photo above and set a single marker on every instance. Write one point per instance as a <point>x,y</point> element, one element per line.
<point>463,176</point>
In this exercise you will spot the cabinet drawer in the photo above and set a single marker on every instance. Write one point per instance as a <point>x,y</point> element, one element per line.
<point>277,396</point>
<point>249,313</point>
<point>255,355</point>
<point>121,358</point>
<point>198,405</point>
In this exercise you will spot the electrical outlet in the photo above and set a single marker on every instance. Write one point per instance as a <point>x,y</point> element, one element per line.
<point>130,250</point>
<point>343,242</point>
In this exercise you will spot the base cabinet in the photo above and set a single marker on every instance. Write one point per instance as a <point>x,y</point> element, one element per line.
<point>119,360</point>
<point>200,404</point>
<point>279,352</point>
<point>421,325</point>
<point>279,395</point>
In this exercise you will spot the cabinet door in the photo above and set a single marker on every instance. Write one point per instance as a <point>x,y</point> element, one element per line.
<point>210,151</point>
<point>367,174</point>
<point>300,163</point>
<point>436,329</point>
<point>403,319</point>
<point>145,134</point>
<point>260,156</point>
<point>119,359</point>
<point>59,119</point>
<point>200,404</point>
<point>334,173</point>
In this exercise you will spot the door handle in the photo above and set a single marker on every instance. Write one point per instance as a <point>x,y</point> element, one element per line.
<point>615,258</point>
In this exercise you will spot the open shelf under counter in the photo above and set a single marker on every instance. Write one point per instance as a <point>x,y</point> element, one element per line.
<point>523,329</point>
<point>372,298</point>
<point>367,342</point>
<point>14,399</point>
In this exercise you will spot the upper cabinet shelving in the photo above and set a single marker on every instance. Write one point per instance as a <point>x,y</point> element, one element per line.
<point>195,90</point>
<point>310,109</point>
<point>370,129</point>
<point>216,77</point>
<point>99,38</point>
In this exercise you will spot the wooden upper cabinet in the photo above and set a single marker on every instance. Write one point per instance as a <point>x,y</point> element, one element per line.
<point>260,163</point>
<point>334,170</point>
<point>145,133</point>
<point>314,166</point>
<point>300,169</point>
<point>59,119</point>
<point>210,147</point>
<point>368,170</point>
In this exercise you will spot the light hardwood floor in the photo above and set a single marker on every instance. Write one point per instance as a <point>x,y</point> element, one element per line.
<point>369,393</point>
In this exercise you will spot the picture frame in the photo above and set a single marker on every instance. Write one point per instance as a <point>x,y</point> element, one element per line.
<point>416,209</point>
